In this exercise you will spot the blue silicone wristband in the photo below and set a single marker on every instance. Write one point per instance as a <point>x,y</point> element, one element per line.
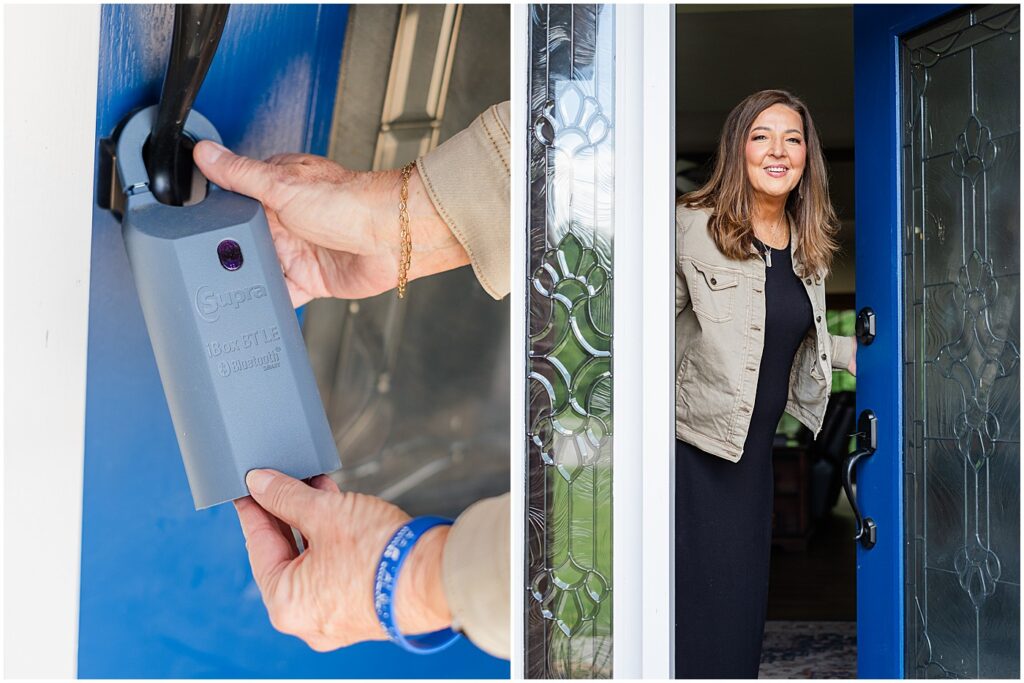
<point>391,561</point>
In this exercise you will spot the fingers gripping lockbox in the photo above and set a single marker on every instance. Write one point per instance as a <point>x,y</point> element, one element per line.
<point>227,342</point>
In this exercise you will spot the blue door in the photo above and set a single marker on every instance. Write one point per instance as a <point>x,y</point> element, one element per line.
<point>937,211</point>
<point>167,591</point>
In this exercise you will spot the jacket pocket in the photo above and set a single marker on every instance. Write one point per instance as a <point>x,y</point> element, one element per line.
<point>808,388</point>
<point>713,291</point>
<point>816,370</point>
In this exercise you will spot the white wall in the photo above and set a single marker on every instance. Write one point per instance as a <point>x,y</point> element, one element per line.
<point>50,70</point>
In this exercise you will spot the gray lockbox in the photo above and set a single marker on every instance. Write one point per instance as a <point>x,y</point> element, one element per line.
<point>226,339</point>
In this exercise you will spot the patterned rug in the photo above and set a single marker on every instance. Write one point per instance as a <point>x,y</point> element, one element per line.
<point>809,649</point>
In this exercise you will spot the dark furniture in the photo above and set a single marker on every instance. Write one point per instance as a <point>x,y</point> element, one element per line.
<point>808,474</point>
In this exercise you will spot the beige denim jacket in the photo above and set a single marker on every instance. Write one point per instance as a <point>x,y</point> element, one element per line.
<point>720,309</point>
<point>467,179</point>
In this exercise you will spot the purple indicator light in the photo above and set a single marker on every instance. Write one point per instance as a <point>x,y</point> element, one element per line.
<point>230,254</point>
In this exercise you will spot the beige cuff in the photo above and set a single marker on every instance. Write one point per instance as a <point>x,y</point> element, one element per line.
<point>476,575</point>
<point>842,352</point>
<point>467,179</point>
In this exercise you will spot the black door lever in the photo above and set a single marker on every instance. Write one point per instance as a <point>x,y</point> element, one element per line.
<point>197,31</point>
<point>867,442</point>
<point>865,326</point>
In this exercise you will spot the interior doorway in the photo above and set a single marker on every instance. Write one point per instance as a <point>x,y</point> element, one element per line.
<point>811,629</point>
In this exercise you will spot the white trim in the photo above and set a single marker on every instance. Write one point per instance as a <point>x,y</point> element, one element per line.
<point>658,341</point>
<point>51,55</point>
<point>519,228</point>
<point>627,359</point>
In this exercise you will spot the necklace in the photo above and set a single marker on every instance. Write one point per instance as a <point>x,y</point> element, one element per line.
<point>768,249</point>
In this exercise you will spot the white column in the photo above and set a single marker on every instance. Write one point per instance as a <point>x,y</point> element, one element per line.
<point>50,68</point>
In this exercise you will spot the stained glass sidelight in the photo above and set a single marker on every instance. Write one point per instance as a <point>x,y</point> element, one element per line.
<point>568,592</point>
<point>961,243</point>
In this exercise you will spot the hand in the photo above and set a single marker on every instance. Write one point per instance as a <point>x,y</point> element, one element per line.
<point>853,359</point>
<point>324,595</point>
<point>336,231</point>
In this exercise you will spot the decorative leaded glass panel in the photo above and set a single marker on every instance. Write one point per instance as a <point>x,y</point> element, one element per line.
<point>961,244</point>
<point>568,596</point>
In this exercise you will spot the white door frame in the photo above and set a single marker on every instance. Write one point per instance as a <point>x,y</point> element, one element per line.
<point>51,55</point>
<point>658,351</point>
<point>520,65</point>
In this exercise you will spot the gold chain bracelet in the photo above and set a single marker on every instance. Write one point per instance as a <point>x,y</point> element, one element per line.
<point>404,234</point>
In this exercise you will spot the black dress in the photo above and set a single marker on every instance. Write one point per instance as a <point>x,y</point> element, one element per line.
<point>724,509</point>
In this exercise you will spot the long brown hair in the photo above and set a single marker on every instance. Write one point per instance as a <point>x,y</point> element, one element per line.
<point>729,196</point>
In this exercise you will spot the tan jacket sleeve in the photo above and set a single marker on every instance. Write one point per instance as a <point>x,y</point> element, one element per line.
<point>842,351</point>
<point>467,178</point>
<point>476,575</point>
<point>682,291</point>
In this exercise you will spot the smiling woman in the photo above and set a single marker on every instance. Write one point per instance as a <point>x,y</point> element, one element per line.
<point>775,152</point>
<point>751,342</point>
<point>773,130</point>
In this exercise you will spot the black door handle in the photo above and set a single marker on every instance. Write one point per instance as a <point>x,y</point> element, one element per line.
<point>197,31</point>
<point>865,326</point>
<point>867,441</point>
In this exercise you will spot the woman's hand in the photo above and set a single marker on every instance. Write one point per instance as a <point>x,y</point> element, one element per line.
<point>336,231</point>
<point>325,594</point>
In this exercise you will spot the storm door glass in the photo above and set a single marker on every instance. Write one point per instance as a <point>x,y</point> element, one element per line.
<point>416,390</point>
<point>961,243</point>
<point>568,596</point>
